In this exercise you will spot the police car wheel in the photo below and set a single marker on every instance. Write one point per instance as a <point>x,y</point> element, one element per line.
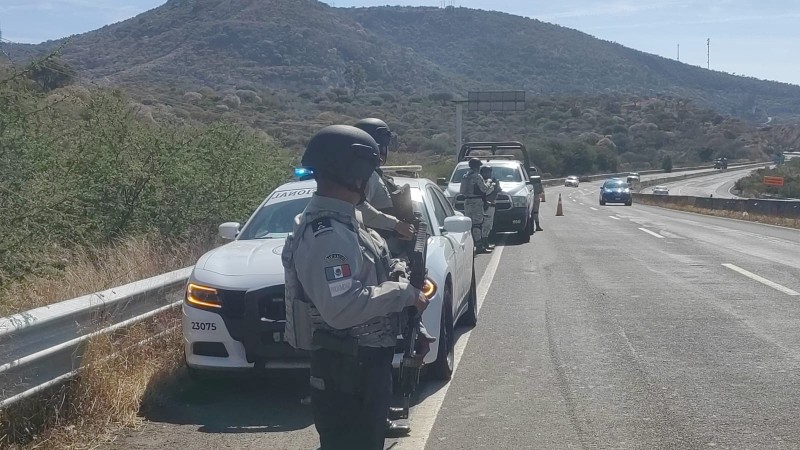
<point>442,368</point>
<point>470,317</point>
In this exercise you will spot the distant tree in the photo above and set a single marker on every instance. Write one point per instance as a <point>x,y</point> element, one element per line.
<point>666,164</point>
<point>356,76</point>
<point>442,97</point>
<point>339,93</point>
<point>52,73</point>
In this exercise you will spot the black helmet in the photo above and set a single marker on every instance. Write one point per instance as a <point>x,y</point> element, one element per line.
<point>379,131</point>
<point>343,154</point>
<point>486,170</point>
<point>475,163</point>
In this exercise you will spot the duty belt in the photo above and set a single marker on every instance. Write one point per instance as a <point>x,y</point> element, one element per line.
<point>473,196</point>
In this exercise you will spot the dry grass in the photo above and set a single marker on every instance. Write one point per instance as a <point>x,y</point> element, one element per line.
<point>95,269</point>
<point>770,220</point>
<point>119,372</point>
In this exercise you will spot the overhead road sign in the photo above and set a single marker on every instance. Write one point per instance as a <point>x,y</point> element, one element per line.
<point>496,101</point>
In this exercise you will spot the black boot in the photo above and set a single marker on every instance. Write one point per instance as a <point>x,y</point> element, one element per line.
<point>489,246</point>
<point>396,430</point>
<point>397,413</point>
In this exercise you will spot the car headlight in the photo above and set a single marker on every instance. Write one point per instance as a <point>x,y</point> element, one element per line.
<point>429,288</point>
<point>202,296</point>
<point>519,201</point>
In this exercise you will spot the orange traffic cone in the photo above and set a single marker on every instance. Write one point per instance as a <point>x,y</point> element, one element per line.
<point>559,209</point>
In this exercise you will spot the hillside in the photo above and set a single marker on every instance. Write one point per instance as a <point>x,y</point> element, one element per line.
<point>307,45</point>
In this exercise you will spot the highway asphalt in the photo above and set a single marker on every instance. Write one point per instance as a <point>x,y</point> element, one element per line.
<point>616,327</point>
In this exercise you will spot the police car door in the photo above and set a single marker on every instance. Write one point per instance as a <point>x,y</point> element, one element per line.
<point>457,241</point>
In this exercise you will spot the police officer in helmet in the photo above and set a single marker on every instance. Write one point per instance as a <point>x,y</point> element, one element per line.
<point>378,210</point>
<point>377,213</point>
<point>474,189</point>
<point>339,302</point>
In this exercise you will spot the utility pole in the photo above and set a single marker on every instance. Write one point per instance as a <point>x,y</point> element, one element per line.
<point>459,125</point>
<point>708,55</point>
<point>679,52</point>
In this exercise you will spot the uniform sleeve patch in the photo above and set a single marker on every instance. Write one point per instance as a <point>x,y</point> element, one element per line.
<point>337,272</point>
<point>340,287</point>
<point>321,226</point>
<point>335,257</point>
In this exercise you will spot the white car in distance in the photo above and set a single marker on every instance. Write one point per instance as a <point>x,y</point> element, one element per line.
<point>234,311</point>
<point>571,181</point>
<point>661,190</point>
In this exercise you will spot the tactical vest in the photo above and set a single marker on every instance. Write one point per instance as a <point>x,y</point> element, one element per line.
<point>303,318</point>
<point>467,182</point>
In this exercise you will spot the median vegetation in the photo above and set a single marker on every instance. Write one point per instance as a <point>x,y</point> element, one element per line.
<point>753,185</point>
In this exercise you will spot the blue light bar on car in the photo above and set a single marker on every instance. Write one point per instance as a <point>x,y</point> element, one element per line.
<point>303,173</point>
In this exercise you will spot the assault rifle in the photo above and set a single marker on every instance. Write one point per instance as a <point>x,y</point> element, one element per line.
<point>411,364</point>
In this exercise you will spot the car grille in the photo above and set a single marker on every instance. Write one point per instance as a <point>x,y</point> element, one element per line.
<point>503,203</point>
<point>257,319</point>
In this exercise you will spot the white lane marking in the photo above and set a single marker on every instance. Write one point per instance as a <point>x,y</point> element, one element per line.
<point>761,280</point>
<point>581,204</point>
<point>614,217</point>
<point>424,414</point>
<point>652,233</point>
<point>593,208</point>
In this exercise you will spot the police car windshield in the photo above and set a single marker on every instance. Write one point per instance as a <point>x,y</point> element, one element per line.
<point>502,173</point>
<point>275,220</point>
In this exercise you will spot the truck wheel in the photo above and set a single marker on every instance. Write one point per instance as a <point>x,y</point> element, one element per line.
<point>524,234</point>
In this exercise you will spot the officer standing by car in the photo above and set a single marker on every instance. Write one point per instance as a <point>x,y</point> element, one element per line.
<point>488,205</point>
<point>377,213</point>
<point>474,188</point>
<point>378,209</point>
<point>538,192</point>
<point>339,301</point>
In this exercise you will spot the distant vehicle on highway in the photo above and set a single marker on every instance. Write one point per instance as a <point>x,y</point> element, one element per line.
<point>661,190</point>
<point>571,181</point>
<point>615,191</point>
<point>514,204</point>
<point>721,163</point>
<point>234,313</point>
<point>634,177</point>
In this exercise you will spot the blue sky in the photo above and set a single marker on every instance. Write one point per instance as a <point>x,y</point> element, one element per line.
<point>755,38</point>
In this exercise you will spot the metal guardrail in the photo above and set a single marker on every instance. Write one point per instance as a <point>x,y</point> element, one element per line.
<point>43,346</point>
<point>774,208</point>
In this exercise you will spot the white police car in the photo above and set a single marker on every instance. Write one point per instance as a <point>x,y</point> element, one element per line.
<point>234,313</point>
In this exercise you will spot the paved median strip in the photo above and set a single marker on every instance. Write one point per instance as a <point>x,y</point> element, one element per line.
<point>652,233</point>
<point>762,280</point>
<point>424,414</point>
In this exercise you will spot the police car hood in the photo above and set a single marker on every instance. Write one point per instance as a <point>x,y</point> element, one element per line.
<point>242,264</point>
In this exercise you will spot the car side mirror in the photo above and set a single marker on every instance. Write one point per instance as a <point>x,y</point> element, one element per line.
<point>457,224</point>
<point>441,182</point>
<point>229,230</point>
